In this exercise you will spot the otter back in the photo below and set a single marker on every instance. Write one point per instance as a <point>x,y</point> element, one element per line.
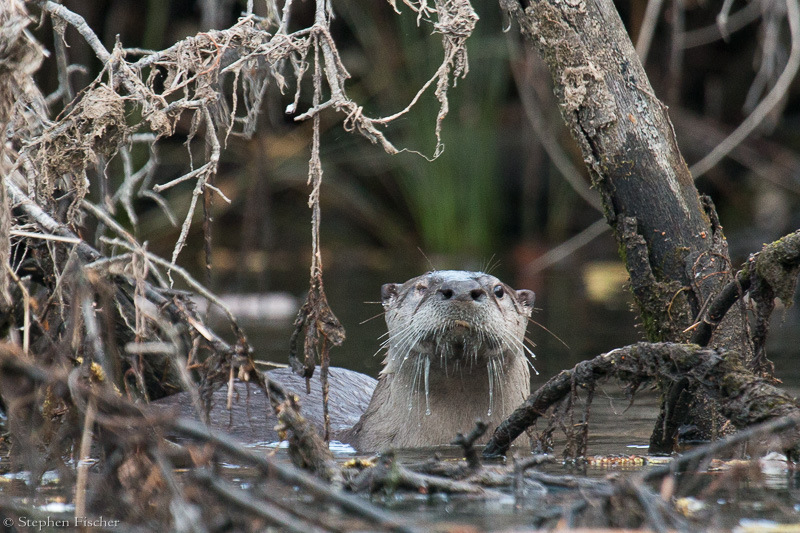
<point>252,420</point>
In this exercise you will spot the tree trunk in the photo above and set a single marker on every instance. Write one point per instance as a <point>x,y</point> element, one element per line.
<point>669,237</point>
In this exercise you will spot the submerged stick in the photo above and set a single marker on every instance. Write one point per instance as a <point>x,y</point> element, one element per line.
<point>468,444</point>
<point>290,475</point>
<point>266,510</point>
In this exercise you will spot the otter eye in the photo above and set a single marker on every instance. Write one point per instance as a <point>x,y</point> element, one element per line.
<point>499,292</point>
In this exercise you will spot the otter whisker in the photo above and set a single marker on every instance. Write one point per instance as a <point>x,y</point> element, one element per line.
<point>380,349</point>
<point>530,341</point>
<point>413,385</point>
<point>406,356</point>
<point>400,338</point>
<point>443,356</point>
<point>489,368</point>
<point>500,383</point>
<point>491,265</point>
<point>548,331</point>
<point>520,345</point>
<point>495,375</point>
<point>372,317</point>
<point>404,341</point>
<point>405,346</point>
<point>521,348</point>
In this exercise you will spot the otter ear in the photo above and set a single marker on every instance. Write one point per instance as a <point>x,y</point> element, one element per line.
<point>389,291</point>
<point>526,297</point>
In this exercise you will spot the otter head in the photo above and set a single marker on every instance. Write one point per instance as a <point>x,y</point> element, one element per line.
<point>455,354</point>
<point>455,318</point>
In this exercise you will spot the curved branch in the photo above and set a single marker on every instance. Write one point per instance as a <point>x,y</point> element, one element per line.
<point>782,256</point>
<point>746,399</point>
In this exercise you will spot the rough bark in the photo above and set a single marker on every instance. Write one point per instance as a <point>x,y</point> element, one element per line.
<point>668,235</point>
<point>672,249</point>
<point>746,394</point>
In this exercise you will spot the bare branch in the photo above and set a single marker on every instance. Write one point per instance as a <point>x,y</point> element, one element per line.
<point>763,109</point>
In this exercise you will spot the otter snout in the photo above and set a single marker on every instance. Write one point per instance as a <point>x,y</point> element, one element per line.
<point>461,291</point>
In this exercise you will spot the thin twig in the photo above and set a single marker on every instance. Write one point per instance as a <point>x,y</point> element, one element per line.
<point>763,109</point>
<point>568,247</point>
<point>648,28</point>
<point>708,34</point>
<point>84,460</point>
<point>193,283</point>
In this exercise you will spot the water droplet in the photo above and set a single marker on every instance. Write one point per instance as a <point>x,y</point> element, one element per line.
<point>506,22</point>
<point>491,387</point>
<point>427,385</point>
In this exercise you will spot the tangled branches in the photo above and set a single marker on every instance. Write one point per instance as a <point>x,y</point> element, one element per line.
<point>745,399</point>
<point>215,82</point>
<point>191,77</point>
<point>97,321</point>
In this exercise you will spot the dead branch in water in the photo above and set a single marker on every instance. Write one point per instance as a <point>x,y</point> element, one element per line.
<point>468,444</point>
<point>134,436</point>
<point>745,399</point>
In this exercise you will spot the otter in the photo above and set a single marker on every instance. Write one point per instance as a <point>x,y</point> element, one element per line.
<point>455,353</point>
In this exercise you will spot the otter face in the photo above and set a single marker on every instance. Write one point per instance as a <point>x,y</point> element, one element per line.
<point>456,317</point>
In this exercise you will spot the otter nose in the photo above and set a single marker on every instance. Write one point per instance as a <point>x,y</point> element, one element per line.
<point>462,291</point>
